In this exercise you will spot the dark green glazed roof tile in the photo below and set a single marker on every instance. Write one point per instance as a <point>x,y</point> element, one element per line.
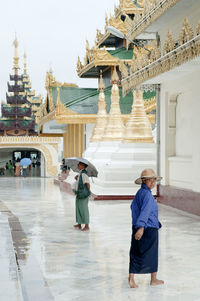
<point>122,53</point>
<point>85,100</point>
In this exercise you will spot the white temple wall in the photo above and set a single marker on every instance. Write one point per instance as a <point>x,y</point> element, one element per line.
<point>88,133</point>
<point>180,126</point>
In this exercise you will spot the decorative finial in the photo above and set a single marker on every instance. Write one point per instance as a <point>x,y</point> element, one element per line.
<point>25,64</point>
<point>58,96</point>
<point>115,77</point>
<point>101,83</point>
<point>16,58</point>
<point>15,43</point>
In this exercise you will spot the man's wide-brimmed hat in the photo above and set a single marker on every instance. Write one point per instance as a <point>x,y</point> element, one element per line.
<point>147,174</point>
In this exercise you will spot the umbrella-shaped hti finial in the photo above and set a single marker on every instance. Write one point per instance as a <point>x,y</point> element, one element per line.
<point>73,164</point>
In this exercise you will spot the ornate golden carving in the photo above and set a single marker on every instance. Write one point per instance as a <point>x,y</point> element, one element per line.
<point>119,24</point>
<point>127,6</point>
<point>169,43</point>
<point>198,28</point>
<point>50,96</point>
<point>160,7</point>
<point>147,6</point>
<point>150,105</point>
<point>155,53</point>
<point>50,80</point>
<point>88,56</point>
<point>103,57</point>
<point>124,69</point>
<point>187,32</point>
<point>183,54</point>
<point>45,106</point>
<point>61,108</point>
<point>138,128</point>
<point>99,35</point>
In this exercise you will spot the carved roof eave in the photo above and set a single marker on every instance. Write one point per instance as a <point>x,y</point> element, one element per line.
<point>81,118</point>
<point>85,69</point>
<point>102,63</point>
<point>103,39</point>
<point>165,63</point>
<point>44,119</point>
<point>156,12</point>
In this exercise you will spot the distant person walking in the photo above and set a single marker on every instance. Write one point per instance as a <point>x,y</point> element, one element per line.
<point>10,168</point>
<point>17,168</point>
<point>145,226</point>
<point>34,162</point>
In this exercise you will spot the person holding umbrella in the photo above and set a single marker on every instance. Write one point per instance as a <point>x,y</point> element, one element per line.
<point>82,211</point>
<point>145,226</point>
<point>25,162</point>
<point>82,189</point>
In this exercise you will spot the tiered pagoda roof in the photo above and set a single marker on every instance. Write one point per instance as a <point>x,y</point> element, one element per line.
<point>110,51</point>
<point>17,115</point>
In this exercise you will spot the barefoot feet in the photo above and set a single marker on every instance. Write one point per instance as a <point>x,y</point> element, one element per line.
<point>156,282</point>
<point>77,226</point>
<point>132,283</point>
<point>85,229</point>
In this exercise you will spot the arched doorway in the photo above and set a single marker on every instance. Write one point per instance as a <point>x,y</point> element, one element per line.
<point>14,155</point>
<point>48,146</point>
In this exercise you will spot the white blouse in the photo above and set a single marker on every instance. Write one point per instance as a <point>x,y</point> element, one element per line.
<point>85,179</point>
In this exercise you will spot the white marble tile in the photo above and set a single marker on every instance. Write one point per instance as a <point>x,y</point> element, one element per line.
<point>93,265</point>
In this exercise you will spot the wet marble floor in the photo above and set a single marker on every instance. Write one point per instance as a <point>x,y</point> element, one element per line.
<point>43,258</point>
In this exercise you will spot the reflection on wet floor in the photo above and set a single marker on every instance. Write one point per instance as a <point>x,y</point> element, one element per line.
<point>31,172</point>
<point>43,258</point>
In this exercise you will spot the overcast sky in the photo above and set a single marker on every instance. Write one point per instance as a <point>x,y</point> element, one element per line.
<point>52,33</point>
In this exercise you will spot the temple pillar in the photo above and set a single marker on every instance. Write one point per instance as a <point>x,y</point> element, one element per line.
<point>73,141</point>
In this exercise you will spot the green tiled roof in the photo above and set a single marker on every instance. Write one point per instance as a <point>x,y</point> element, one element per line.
<point>122,53</point>
<point>85,100</point>
<point>70,94</point>
<point>11,109</point>
<point>10,122</point>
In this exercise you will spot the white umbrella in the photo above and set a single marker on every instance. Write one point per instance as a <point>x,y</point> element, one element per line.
<point>73,164</point>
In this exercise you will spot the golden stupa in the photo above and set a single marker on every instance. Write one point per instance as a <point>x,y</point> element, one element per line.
<point>101,120</point>
<point>138,126</point>
<point>114,130</point>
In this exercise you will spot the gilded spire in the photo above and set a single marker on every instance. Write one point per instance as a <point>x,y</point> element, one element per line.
<point>114,130</point>
<point>25,63</point>
<point>138,127</point>
<point>101,120</point>
<point>16,58</point>
<point>101,83</point>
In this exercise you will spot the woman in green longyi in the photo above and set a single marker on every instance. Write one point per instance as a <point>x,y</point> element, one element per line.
<point>82,211</point>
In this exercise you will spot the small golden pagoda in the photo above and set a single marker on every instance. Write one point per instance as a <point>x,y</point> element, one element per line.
<point>114,130</point>
<point>101,120</point>
<point>138,126</point>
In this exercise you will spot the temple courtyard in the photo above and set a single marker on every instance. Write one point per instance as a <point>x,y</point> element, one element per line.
<point>42,257</point>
